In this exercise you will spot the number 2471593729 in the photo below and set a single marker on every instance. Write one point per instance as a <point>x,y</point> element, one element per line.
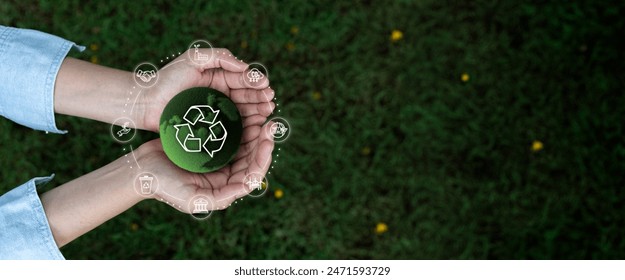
<point>358,270</point>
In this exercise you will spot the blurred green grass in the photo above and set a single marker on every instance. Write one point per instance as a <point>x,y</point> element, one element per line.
<point>382,131</point>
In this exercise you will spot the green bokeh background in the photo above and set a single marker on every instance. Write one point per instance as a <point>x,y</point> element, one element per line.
<point>383,131</point>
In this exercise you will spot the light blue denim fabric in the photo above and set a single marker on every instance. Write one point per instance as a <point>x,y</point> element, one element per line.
<point>24,229</point>
<point>29,63</point>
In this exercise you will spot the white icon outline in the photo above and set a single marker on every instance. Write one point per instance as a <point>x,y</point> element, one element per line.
<point>278,130</point>
<point>145,182</point>
<point>198,113</point>
<point>255,75</point>
<point>255,184</point>
<point>196,56</point>
<point>125,130</point>
<point>126,124</point>
<point>146,76</point>
<point>143,77</point>
<point>200,206</point>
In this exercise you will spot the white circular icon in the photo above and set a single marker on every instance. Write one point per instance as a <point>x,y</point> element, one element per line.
<point>256,75</point>
<point>145,75</point>
<point>200,52</point>
<point>146,184</point>
<point>279,130</point>
<point>201,207</point>
<point>122,130</point>
<point>255,184</point>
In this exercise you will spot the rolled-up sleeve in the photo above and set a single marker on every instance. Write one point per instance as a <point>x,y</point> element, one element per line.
<point>24,229</point>
<point>29,63</point>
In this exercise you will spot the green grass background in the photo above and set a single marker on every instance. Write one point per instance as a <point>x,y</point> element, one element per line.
<point>450,170</point>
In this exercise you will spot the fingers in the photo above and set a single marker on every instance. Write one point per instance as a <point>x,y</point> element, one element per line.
<point>250,141</point>
<point>254,120</point>
<point>251,95</point>
<point>236,189</point>
<point>262,158</point>
<point>225,81</point>
<point>223,58</point>
<point>259,159</point>
<point>223,71</point>
<point>246,149</point>
<point>235,80</point>
<point>250,109</point>
<point>248,79</point>
<point>250,133</point>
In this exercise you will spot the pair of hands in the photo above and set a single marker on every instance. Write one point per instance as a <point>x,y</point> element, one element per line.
<point>225,73</point>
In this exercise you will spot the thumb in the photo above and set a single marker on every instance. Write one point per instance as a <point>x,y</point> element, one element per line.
<point>221,58</point>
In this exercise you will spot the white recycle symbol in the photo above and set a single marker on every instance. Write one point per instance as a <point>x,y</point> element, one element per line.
<point>193,115</point>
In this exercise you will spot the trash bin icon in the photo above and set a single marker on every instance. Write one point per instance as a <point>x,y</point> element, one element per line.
<point>146,184</point>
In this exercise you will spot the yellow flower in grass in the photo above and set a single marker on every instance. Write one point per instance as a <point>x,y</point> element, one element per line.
<point>134,227</point>
<point>396,35</point>
<point>365,151</point>
<point>465,77</point>
<point>316,95</point>
<point>94,59</point>
<point>94,47</point>
<point>278,193</point>
<point>381,228</point>
<point>244,44</point>
<point>290,46</point>
<point>537,146</point>
<point>294,30</point>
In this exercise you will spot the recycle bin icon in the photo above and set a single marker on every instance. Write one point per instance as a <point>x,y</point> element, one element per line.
<point>146,184</point>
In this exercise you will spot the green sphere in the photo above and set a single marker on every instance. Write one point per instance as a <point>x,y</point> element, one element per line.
<point>201,130</point>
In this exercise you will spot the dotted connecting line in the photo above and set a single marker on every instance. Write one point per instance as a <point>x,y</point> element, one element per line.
<point>170,203</point>
<point>172,57</point>
<point>128,99</point>
<point>275,98</point>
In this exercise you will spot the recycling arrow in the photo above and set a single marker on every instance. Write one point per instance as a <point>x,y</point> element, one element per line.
<point>206,115</point>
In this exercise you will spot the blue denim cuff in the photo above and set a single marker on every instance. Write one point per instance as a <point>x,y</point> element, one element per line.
<point>29,63</point>
<point>24,229</point>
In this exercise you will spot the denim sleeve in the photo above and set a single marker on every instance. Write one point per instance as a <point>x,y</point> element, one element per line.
<point>29,63</point>
<point>24,229</point>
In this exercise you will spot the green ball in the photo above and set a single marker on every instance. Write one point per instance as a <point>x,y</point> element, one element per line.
<point>201,130</point>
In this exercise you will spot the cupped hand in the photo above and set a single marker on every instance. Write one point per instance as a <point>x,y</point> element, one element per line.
<point>222,72</point>
<point>179,187</point>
